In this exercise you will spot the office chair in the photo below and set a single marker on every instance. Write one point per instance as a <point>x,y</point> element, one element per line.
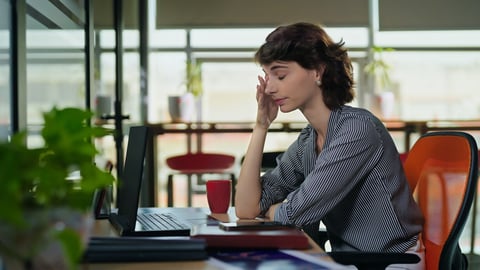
<point>442,169</point>
<point>199,164</point>
<point>103,198</point>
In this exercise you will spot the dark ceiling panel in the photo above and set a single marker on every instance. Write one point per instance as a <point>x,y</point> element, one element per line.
<point>252,13</point>
<point>429,15</point>
<point>103,14</point>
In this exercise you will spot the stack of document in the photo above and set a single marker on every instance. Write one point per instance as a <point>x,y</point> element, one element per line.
<point>284,238</point>
<point>143,249</point>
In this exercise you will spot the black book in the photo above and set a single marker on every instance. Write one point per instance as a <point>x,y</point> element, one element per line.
<point>144,249</point>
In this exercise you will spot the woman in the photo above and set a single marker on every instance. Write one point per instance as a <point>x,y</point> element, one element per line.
<point>343,169</point>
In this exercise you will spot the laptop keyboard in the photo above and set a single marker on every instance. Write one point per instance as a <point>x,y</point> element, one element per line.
<point>161,222</point>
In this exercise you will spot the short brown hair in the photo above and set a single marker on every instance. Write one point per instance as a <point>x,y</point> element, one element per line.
<point>310,46</point>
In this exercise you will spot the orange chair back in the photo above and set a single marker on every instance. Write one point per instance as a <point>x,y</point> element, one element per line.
<point>442,168</point>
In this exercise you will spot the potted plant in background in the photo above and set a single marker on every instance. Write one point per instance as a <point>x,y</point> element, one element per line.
<point>45,216</point>
<point>182,108</point>
<point>384,94</point>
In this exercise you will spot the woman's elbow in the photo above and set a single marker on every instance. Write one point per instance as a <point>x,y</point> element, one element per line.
<point>246,212</point>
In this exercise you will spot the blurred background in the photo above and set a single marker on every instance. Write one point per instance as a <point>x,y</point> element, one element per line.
<point>123,59</point>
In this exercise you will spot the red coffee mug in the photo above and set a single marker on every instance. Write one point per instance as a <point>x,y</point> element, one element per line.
<point>219,195</point>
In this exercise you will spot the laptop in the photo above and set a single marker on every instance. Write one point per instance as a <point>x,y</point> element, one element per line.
<point>130,220</point>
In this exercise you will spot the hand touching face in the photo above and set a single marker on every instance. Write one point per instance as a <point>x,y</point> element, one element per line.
<point>291,86</point>
<point>267,108</point>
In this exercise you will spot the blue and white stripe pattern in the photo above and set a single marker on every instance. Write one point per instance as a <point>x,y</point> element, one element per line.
<point>355,185</point>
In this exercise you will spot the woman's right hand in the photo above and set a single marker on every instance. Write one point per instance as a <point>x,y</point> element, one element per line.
<point>267,108</point>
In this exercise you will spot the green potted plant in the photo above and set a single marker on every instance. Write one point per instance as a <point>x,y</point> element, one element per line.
<point>383,87</point>
<point>41,206</point>
<point>193,80</point>
<point>379,69</point>
<point>182,107</point>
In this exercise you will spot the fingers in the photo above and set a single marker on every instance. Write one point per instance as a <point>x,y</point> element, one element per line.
<point>261,79</point>
<point>262,83</point>
<point>261,86</point>
<point>262,102</point>
<point>260,92</point>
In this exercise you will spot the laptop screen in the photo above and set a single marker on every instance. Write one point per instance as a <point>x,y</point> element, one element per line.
<point>132,177</point>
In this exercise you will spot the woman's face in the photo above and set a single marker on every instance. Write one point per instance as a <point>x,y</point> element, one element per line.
<point>290,85</point>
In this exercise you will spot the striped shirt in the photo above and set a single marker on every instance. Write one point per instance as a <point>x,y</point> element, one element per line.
<point>356,185</point>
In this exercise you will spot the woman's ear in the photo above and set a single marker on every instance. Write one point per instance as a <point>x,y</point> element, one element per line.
<point>320,72</point>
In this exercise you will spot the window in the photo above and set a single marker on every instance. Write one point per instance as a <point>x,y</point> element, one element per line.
<point>5,79</point>
<point>434,72</point>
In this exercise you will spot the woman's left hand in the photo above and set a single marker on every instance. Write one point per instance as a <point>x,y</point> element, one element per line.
<point>270,214</point>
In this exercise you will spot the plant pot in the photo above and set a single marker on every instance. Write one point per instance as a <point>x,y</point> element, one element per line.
<point>36,245</point>
<point>181,108</point>
<point>386,105</point>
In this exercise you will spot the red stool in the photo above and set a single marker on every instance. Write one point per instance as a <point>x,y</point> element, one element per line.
<point>403,157</point>
<point>199,164</point>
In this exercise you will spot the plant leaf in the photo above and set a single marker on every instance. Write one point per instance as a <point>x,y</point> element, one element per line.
<point>71,245</point>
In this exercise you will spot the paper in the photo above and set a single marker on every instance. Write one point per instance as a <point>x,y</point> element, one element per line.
<point>272,260</point>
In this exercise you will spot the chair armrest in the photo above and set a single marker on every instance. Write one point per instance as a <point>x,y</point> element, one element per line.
<point>373,260</point>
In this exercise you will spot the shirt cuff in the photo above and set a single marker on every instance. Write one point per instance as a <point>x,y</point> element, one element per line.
<point>280,214</point>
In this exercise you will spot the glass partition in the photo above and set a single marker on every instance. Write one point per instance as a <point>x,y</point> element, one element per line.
<point>55,56</point>
<point>5,70</point>
<point>55,70</point>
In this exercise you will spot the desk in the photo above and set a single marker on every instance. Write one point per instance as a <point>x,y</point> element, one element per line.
<point>103,228</point>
